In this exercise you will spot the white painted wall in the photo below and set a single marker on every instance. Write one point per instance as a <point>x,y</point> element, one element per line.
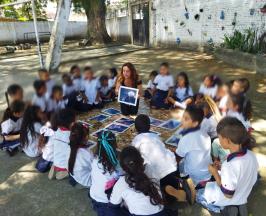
<point>167,15</point>
<point>118,28</point>
<point>13,32</point>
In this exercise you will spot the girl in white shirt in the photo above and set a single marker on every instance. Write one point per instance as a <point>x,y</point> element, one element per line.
<point>103,172</point>
<point>56,101</point>
<point>68,85</point>
<point>30,131</point>
<point>10,127</point>
<point>164,84</point>
<point>76,77</point>
<point>79,163</point>
<point>112,78</point>
<point>183,93</point>
<point>210,85</point>
<point>239,106</point>
<point>139,193</point>
<point>148,93</point>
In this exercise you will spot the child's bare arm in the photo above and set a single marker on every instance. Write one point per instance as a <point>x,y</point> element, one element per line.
<point>12,137</point>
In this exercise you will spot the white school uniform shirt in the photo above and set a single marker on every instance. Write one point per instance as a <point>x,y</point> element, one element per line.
<point>212,91</point>
<point>104,89</point>
<point>136,202</point>
<point>209,125</point>
<point>238,176</point>
<point>67,90</point>
<point>40,101</point>
<point>195,149</point>
<point>159,161</point>
<point>31,149</point>
<point>111,82</point>
<point>98,181</point>
<point>82,167</point>
<point>182,93</point>
<point>61,148</point>
<point>163,83</point>
<point>240,117</point>
<point>49,86</point>
<point>223,104</point>
<point>48,150</point>
<point>91,89</point>
<point>150,85</point>
<point>8,126</point>
<point>77,82</point>
<point>53,105</point>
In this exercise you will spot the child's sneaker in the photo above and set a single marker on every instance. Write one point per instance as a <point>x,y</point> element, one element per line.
<point>61,175</point>
<point>51,174</point>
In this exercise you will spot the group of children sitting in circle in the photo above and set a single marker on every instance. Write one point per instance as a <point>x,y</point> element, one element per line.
<point>213,162</point>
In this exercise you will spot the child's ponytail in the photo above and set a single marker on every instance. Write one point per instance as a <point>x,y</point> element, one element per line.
<point>244,105</point>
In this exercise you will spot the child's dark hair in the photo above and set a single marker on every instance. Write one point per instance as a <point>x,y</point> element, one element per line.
<point>38,84</point>
<point>133,165</point>
<point>13,89</point>
<point>66,76</point>
<point>244,105</point>
<point>77,138</point>
<point>87,68</point>
<point>16,106</point>
<point>56,88</point>
<point>234,130</point>
<point>30,117</point>
<point>74,67</point>
<point>44,139</point>
<point>214,79</point>
<point>43,70</point>
<point>103,78</point>
<point>65,117</point>
<point>196,113</point>
<point>185,77</point>
<point>113,72</point>
<point>154,73</point>
<point>106,151</point>
<point>164,64</point>
<point>142,123</point>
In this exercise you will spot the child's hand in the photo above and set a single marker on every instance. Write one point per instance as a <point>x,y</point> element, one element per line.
<point>166,100</point>
<point>212,169</point>
<point>217,164</point>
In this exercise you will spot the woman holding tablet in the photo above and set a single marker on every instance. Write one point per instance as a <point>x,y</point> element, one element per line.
<point>129,78</point>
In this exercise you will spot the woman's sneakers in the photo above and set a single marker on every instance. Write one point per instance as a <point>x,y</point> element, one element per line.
<point>186,194</point>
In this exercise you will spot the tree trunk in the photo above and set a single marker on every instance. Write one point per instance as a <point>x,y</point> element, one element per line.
<point>95,11</point>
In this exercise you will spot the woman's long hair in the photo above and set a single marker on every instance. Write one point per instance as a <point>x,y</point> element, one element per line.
<point>106,151</point>
<point>30,117</point>
<point>133,74</point>
<point>133,165</point>
<point>78,136</point>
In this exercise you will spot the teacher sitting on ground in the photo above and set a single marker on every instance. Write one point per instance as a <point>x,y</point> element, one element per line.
<point>129,78</point>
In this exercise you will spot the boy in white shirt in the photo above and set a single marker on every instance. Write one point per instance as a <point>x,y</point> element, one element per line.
<point>148,93</point>
<point>45,76</point>
<point>39,98</point>
<point>160,163</point>
<point>194,147</point>
<point>238,174</point>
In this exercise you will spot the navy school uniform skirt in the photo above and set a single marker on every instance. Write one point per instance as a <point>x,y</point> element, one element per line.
<point>10,144</point>
<point>157,100</point>
<point>43,165</point>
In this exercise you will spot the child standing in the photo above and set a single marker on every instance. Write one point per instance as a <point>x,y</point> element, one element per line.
<point>104,170</point>
<point>44,75</point>
<point>79,163</point>
<point>107,93</point>
<point>210,85</point>
<point>39,98</point>
<point>14,92</point>
<point>183,92</point>
<point>135,189</point>
<point>129,78</point>
<point>65,118</point>
<point>112,78</point>
<point>160,163</point>
<point>148,93</point>
<point>164,84</point>
<point>238,174</point>
<point>194,147</point>
<point>30,131</point>
<point>10,127</point>
<point>90,85</point>
<point>240,107</point>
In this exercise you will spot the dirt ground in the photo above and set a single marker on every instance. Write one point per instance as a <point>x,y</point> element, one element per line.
<point>23,191</point>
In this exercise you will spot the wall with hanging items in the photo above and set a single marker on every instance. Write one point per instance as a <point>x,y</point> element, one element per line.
<point>200,22</point>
